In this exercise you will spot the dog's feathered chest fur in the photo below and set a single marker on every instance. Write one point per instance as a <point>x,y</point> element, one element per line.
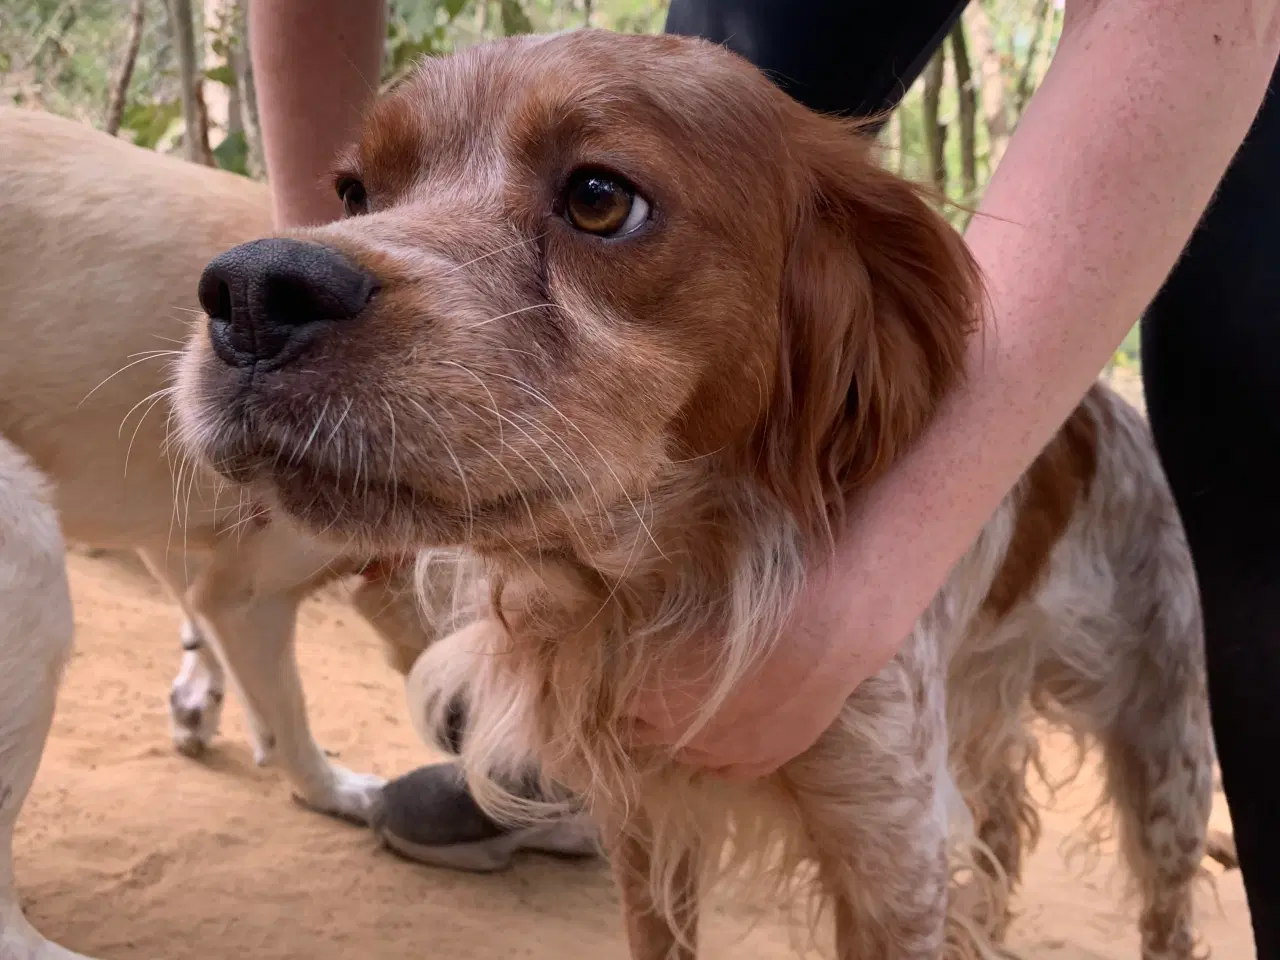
<point>1078,582</point>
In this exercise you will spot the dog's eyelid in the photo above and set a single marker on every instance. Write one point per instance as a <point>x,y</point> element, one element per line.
<point>345,176</point>
<point>347,161</point>
<point>609,167</point>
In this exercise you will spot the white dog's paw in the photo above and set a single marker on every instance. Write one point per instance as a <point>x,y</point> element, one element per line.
<point>264,741</point>
<point>195,700</point>
<point>348,796</point>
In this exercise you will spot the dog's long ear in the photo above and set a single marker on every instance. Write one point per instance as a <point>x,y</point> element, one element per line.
<point>879,298</point>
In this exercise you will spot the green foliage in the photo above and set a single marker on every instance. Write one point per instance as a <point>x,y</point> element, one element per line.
<point>233,153</point>
<point>405,48</point>
<point>60,55</point>
<point>432,28</point>
<point>1129,355</point>
<point>222,73</point>
<point>149,122</point>
<point>416,30</point>
<point>514,20</point>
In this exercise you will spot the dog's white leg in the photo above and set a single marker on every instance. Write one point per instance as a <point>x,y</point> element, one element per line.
<point>36,631</point>
<point>248,597</point>
<point>197,693</point>
<point>875,793</point>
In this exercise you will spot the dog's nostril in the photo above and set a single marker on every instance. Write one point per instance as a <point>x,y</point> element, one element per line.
<point>222,309</point>
<point>290,301</point>
<point>214,294</point>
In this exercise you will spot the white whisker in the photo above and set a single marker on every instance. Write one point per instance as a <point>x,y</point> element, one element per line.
<point>457,465</point>
<point>621,487</point>
<point>513,313</point>
<point>493,253</point>
<point>141,359</point>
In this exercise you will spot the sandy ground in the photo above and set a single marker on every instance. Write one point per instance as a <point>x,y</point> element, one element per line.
<point>127,850</point>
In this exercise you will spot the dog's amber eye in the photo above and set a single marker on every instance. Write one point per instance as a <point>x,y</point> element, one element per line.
<point>603,204</point>
<point>352,194</point>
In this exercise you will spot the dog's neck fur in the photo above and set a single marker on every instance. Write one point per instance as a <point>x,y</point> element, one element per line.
<point>701,566</point>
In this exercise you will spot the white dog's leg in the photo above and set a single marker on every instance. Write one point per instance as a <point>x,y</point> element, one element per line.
<point>195,698</point>
<point>248,597</point>
<point>36,631</point>
<point>196,695</point>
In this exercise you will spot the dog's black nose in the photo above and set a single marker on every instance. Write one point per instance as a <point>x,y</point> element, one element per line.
<point>268,298</point>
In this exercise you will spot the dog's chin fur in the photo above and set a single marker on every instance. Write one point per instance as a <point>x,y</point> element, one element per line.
<point>666,430</point>
<point>373,514</point>
<point>340,495</point>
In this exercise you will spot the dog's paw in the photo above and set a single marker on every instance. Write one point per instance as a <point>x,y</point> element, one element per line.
<point>196,697</point>
<point>264,741</point>
<point>349,796</point>
<point>439,694</point>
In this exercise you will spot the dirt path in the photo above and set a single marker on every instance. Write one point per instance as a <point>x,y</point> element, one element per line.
<point>129,852</point>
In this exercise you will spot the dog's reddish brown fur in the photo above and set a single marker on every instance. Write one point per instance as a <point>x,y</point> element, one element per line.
<point>1056,483</point>
<point>644,444</point>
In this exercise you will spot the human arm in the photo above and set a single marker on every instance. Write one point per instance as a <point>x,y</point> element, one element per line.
<point>316,64</point>
<point>1117,156</point>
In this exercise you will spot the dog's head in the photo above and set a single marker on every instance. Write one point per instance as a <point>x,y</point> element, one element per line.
<point>572,269</point>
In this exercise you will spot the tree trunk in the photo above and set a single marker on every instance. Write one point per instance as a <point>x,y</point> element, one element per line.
<point>586,12</point>
<point>120,82</point>
<point>935,132</point>
<point>54,29</point>
<point>49,52</point>
<point>194,116</point>
<point>215,40</point>
<point>968,100</point>
<point>235,110</point>
<point>247,92</point>
<point>994,110</point>
<point>1026,78</point>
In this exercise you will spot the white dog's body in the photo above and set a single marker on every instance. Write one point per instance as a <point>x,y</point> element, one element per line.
<point>102,245</point>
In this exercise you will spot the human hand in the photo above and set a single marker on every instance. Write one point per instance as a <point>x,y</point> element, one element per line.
<point>831,644</point>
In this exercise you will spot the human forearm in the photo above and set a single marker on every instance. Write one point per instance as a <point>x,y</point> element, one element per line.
<point>316,64</point>
<point>1114,161</point>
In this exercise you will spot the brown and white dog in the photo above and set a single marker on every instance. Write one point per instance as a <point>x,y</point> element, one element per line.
<point>102,247</point>
<point>630,326</point>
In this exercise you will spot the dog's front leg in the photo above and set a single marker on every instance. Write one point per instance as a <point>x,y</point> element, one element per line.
<point>652,933</point>
<point>197,693</point>
<point>388,602</point>
<point>36,632</point>
<point>249,596</point>
<point>874,796</point>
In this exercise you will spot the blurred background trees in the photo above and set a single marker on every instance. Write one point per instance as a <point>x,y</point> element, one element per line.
<point>175,76</point>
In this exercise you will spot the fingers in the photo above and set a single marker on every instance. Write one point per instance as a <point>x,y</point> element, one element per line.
<point>741,769</point>
<point>703,755</point>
